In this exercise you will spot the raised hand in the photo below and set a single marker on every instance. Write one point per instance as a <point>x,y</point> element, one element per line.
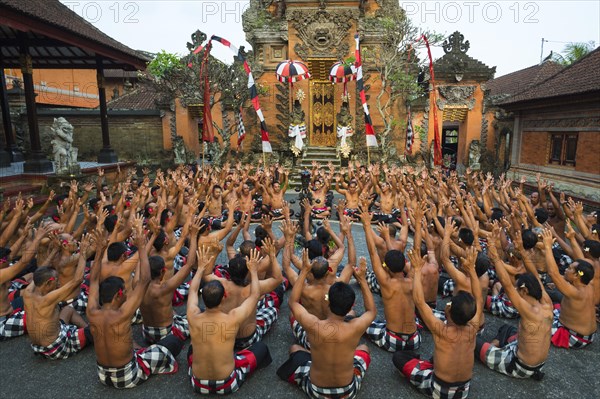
<point>416,261</point>
<point>547,238</point>
<point>468,263</point>
<point>360,272</point>
<point>252,261</point>
<point>269,247</point>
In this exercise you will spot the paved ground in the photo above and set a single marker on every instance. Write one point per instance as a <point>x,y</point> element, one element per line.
<point>24,375</point>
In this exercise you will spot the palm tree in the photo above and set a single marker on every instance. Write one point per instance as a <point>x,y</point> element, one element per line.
<point>574,52</point>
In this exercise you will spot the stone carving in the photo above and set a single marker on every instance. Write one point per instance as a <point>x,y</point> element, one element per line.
<point>322,32</point>
<point>474,155</point>
<point>457,65</point>
<point>456,44</point>
<point>344,129</point>
<point>456,96</point>
<point>179,151</point>
<point>65,155</point>
<point>565,122</point>
<point>297,128</point>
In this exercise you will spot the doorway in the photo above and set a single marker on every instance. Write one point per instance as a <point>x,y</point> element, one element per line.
<point>450,146</point>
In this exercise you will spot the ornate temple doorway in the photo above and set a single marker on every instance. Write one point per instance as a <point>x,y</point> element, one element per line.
<point>322,111</point>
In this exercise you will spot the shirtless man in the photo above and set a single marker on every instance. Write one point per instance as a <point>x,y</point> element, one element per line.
<point>454,341</point>
<point>388,213</point>
<point>215,203</point>
<point>111,306</point>
<point>351,195</point>
<point>157,308</point>
<point>522,352</point>
<point>399,330</point>
<point>237,290</point>
<point>574,324</point>
<point>54,333</point>
<point>276,196</point>
<point>216,368</point>
<point>336,365</point>
<point>12,315</point>
<point>319,209</point>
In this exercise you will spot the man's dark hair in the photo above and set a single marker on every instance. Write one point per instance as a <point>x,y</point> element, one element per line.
<point>164,215</point>
<point>466,236</point>
<point>423,248</point>
<point>157,264</point>
<point>147,208</point>
<point>93,202</point>
<point>212,294</point>
<point>457,221</point>
<point>541,215</point>
<point>529,238</point>
<point>154,189</point>
<point>529,281</point>
<point>315,248</point>
<point>109,288</point>
<point>115,251</point>
<point>61,198</point>
<point>319,267</point>
<point>593,247</point>
<point>482,264</point>
<point>323,235</point>
<point>497,214</point>
<point>463,308</point>
<point>43,274</point>
<point>442,221</point>
<point>393,230</point>
<point>247,246</point>
<point>595,228</point>
<point>110,222</point>
<point>215,187</point>
<point>341,298</point>
<point>238,270</point>
<point>394,260</point>
<point>159,242</point>
<point>260,233</point>
<point>585,271</point>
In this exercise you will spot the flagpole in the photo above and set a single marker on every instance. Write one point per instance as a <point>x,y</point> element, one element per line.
<point>368,155</point>
<point>202,156</point>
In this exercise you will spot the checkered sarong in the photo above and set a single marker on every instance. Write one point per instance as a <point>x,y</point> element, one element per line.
<point>155,334</point>
<point>392,341</point>
<point>448,289</point>
<point>500,305</point>
<point>245,364</point>
<point>179,262</point>
<point>266,316</point>
<point>504,360</point>
<point>420,374</point>
<point>373,283</point>
<point>299,333</point>
<point>302,378</point>
<point>564,337</point>
<point>80,303</point>
<point>70,340</point>
<point>12,325</point>
<point>155,359</point>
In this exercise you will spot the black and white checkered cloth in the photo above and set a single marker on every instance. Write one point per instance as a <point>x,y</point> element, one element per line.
<point>239,121</point>
<point>155,334</point>
<point>504,360</point>
<point>12,325</point>
<point>266,316</point>
<point>70,340</point>
<point>302,378</point>
<point>501,306</point>
<point>155,359</point>
<point>373,283</point>
<point>422,377</point>
<point>392,341</point>
<point>245,364</point>
<point>564,337</point>
<point>299,333</point>
<point>448,289</point>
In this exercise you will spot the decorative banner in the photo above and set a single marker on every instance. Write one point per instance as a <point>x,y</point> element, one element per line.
<point>208,134</point>
<point>410,135</point>
<point>369,132</point>
<point>437,147</point>
<point>341,72</point>
<point>344,132</point>
<point>298,133</point>
<point>266,145</point>
<point>241,129</point>
<point>291,71</point>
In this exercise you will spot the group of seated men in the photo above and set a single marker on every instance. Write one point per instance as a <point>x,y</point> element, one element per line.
<point>145,247</point>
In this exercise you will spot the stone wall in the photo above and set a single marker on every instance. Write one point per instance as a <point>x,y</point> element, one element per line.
<point>534,148</point>
<point>588,150</point>
<point>133,137</point>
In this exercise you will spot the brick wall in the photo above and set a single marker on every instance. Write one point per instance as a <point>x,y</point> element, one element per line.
<point>534,148</point>
<point>131,136</point>
<point>588,152</point>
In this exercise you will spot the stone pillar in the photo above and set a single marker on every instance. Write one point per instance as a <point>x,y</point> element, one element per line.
<point>13,152</point>
<point>37,161</point>
<point>107,154</point>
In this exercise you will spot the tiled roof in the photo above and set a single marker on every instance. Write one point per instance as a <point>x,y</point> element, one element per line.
<point>578,78</point>
<point>51,19</point>
<point>518,81</point>
<point>142,98</point>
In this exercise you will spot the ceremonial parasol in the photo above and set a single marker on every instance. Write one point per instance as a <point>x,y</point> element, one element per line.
<point>342,72</point>
<point>291,71</point>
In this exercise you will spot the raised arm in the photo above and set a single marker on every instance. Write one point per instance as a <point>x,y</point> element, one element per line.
<point>306,319</point>
<point>563,286</point>
<point>382,276</point>
<point>204,260</point>
<point>289,230</point>
<point>242,312</point>
<point>435,325</point>
<point>469,266</point>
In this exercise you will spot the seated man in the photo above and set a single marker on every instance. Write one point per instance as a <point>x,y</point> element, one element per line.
<point>574,324</point>
<point>336,366</point>
<point>49,330</point>
<point>109,311</point>
<point>216,368</point>
<point>449,376</point>
<point>520,353</point>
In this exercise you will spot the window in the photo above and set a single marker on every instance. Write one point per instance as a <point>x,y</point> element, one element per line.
<point>563,149</point>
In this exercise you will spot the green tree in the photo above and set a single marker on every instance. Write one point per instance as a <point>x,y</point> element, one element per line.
<point>573,52</point>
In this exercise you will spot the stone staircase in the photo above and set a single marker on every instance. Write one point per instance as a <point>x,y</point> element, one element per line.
<point>322,155</point>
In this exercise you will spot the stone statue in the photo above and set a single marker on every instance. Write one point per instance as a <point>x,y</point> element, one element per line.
<point>179,151</point>
<point>65,155</point>
<point>297,128</point>
<point>344,129</point>
<point>474,155</point>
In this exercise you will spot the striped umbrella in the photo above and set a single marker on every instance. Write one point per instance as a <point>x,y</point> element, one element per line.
<point>342,73</point>
<point>291,71</point>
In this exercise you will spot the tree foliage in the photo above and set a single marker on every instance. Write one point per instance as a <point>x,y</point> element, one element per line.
<point>573,52</point>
